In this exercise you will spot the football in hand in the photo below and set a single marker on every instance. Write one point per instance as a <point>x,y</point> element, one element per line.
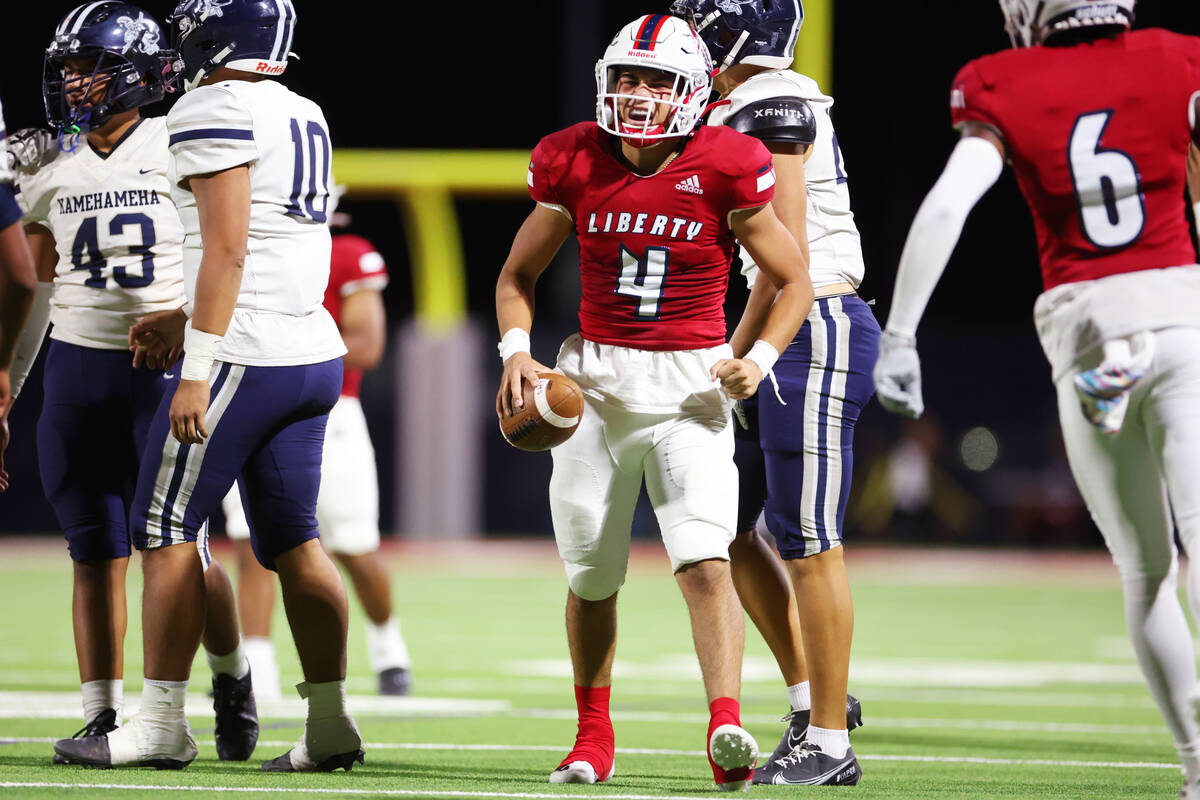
<point>553,408</point>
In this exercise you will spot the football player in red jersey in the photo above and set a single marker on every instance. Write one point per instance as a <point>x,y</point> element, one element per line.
<point>656,204</point>
<point>1096,121</point>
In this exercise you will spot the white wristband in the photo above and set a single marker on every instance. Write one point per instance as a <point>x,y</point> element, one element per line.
<point>763,354</point>
<point>199,352</point>
<point>514,340</point>
<point>1196,213</point>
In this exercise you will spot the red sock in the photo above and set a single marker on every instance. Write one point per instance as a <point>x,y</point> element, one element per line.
<point>725,711</point>
<point>594,743</point>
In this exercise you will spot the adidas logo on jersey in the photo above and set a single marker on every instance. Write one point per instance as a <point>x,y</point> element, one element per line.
<point>691,184</point>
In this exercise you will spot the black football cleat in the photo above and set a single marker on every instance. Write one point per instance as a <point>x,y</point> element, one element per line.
<point>807,765</point>
<point>237,717</point>
<point>344,761</point>
<point>100,724</point>
<point>395,681</point>
<point>797,727</point>
<point>95,751</point>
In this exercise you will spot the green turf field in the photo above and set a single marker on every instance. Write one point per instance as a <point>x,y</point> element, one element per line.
<point>981,675</point>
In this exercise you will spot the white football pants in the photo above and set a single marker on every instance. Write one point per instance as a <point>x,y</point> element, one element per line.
<point>1141,485</point>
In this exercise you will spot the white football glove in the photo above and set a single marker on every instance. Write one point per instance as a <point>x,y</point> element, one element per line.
<point>30,149</point>
<point>898,375</point>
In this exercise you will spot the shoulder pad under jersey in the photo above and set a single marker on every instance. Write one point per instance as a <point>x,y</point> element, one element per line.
<point>778,119</point>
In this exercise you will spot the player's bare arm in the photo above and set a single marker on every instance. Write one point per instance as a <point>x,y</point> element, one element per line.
<point>781,261</point>
<point>364,329</point>
<point>16,295</point>
<point>42,249</point>
<point>17,285</point>
<point>535,244</point>
<point>223,204</point>
<point>791,206</point>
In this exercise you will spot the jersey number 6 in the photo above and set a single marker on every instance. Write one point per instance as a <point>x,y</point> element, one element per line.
<point>1112,211</point>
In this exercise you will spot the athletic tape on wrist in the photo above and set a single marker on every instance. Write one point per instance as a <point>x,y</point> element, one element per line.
<point>763,354</point>
<point>199,352</point>
<point>514,340</point>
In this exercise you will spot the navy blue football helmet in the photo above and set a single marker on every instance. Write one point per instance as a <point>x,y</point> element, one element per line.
<point>760,32</point>
<point>246,35</point>
<point>130,51</point>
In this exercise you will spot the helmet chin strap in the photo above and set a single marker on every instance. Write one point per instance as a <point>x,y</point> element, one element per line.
<point>202,73</point>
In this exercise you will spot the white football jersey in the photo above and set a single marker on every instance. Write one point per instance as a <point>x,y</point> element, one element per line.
<point>117,233</point>
<point>279,319</point>
<point>5,173</point>
<point>835,251</point>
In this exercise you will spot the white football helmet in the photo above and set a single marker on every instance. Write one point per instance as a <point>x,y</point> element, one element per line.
<point>1031,22</point>
<point>660,42</point>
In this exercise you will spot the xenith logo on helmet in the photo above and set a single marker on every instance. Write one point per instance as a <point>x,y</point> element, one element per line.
<point>691,184</point>
<point>780,111</point>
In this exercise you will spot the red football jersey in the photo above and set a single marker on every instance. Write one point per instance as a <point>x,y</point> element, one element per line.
<point>355,266</point>
<point>654,250</point>
<point>1098,137</point>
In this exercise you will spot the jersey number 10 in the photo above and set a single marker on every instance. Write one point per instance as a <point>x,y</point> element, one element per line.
<point>306,141</point>
<point>1108,189</point>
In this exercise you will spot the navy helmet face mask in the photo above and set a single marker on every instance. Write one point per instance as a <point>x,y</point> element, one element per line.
<point>245,35</point>
<point>119,43</point>
<point>759,32</point>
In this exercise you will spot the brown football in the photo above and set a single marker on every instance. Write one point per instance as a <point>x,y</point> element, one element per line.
<point>553,408</point>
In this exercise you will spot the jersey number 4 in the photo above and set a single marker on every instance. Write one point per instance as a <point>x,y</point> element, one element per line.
<point>644,279</point>
<point>85,251</point>
<point>1108,189</point>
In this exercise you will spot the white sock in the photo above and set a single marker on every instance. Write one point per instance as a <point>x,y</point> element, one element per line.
<point>233,663</point>
<point>162,700</point>
<point>832,743</point>
<point>1189,755</point>
<point>385,646</point>
<point>325,700</point>
<point>799,697</point>
<point>158,729</point>
<point>328,729</point>
<point>264,672</point>
<point>99,695</point>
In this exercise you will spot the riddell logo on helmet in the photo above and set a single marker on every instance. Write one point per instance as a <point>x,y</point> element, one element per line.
<point>643,54</point>
<point>265,68</point>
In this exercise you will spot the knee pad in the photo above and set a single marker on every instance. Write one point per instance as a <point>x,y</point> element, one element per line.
<point>595,582</point>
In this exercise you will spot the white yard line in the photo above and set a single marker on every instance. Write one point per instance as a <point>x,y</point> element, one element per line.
<point>883,672</point>
<point>640,751</point>
<point>128,787</point>
<point>65,705</point>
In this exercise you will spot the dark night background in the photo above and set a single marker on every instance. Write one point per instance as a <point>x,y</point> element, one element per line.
<point>501,75</point>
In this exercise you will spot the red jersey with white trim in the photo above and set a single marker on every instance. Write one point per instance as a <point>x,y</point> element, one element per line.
<point>356,266</point>
<point>1098,137</point>
<point>654,250</point>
